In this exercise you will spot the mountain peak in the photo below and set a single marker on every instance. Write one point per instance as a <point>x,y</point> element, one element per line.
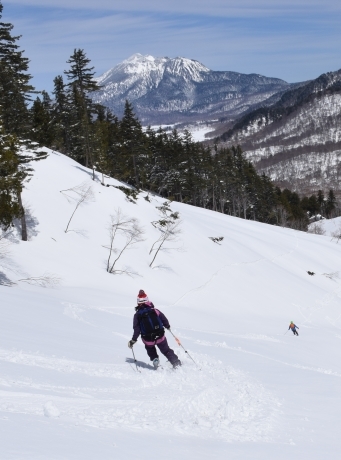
<point>163,88</point>
<point>189,69</point>
<point>138,57</point>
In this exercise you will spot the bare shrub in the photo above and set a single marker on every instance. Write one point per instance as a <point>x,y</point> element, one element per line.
<point>5,265</point>
<point>4,243</point>
<point>132,233</point>
<point>337,234</point>
<point>168,226</point>
<point>80,195</point>
<point>216,239</point>
<point>46,280</point>
<point>332,276</point>
<point>317,228</point>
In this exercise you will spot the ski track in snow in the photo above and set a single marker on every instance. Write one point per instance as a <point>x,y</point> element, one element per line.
<point>321,304</point>
<point>266,388</point>
<point>266,338</point>
<point>63,365</point>
<point>215,402</point>
<point>74,311</point>
<point>237,264</point>
<point>240,350</point>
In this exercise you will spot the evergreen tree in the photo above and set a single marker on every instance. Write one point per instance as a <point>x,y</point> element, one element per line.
<point>43,130</point>
<point>15,88</point>
<point>61,114</point>
<point>105,135</point>
<point>330,203</point>
<point>81,84</point>
<point>310,205</point>
<point>313,205</point>
<point>320,200</point>
<point>133,147</point>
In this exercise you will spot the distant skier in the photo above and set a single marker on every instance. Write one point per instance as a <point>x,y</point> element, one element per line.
<point>151,324</point>
<point>293,327</point>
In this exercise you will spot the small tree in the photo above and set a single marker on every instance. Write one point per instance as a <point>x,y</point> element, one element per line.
<point>317,228</point>
<point>81,195</point>
<point>168,226</point>
<point>337,234</point>
<point>129,228</point>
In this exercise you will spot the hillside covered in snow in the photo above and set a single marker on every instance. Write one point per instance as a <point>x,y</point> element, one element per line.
<point>296,140</point>
<point>69,386</point>
<point>171,90</point>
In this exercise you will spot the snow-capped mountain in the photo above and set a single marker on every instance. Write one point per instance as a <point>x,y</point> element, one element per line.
<point>296,140</point>
<point>69,385</point>
<point>165,90</point>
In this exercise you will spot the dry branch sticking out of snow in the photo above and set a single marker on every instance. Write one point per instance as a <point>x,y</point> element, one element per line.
<point>45,280</point>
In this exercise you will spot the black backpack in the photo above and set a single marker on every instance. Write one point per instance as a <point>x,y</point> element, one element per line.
<point>150,323</point>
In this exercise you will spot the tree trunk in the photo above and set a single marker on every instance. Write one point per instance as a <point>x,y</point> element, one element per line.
<point>213,198</point>
<point>23,220</point>
<point>135,171</point>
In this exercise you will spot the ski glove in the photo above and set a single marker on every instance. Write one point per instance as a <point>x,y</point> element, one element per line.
<point>131,343</point>
<point>167,327</point>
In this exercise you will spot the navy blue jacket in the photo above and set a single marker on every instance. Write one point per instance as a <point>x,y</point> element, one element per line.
<point>136,325</point>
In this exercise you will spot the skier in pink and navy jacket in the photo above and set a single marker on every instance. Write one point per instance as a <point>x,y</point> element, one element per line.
<point>151,339</point>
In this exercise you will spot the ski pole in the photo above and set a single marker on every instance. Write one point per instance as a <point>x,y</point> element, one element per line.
<point>286,332</point>
<point>180,345</point>
<point>138,370</point>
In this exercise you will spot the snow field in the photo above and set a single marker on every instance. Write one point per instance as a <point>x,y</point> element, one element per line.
<point>68,384</point>
<point>209,400</point>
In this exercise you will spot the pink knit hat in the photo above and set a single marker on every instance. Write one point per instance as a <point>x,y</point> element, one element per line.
<point>142,297</point>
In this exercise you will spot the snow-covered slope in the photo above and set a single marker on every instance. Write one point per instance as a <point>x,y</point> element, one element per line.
<point>328,227</point>
<point>297,140</point>
<point>69,388</point>
<point>167,90</point>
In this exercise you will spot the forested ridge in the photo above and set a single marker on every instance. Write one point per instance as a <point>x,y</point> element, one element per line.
<point>170,164</point>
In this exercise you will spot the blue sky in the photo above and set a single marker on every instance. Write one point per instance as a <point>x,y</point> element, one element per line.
<point>291,39</point>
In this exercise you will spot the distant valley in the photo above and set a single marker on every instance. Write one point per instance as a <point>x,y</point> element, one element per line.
<point>296,140</point>
<point>291,132</point>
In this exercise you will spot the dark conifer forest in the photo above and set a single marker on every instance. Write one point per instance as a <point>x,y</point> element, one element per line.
<point>169,164</point>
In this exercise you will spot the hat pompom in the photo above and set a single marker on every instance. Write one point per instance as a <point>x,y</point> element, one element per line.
<point>142,297</point>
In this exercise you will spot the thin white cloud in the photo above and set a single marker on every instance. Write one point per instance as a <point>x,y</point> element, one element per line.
<point>288,51</point>
<point>227,8</point>
<point>110,39</point>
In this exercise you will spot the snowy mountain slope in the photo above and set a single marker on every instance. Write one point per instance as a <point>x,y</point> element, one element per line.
<point>328,227</point>
<point>297,140</point>
<point>69,388</point>
<point>167,90</point>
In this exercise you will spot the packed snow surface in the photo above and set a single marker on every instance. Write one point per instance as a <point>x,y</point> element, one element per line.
<point>69,386</point>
